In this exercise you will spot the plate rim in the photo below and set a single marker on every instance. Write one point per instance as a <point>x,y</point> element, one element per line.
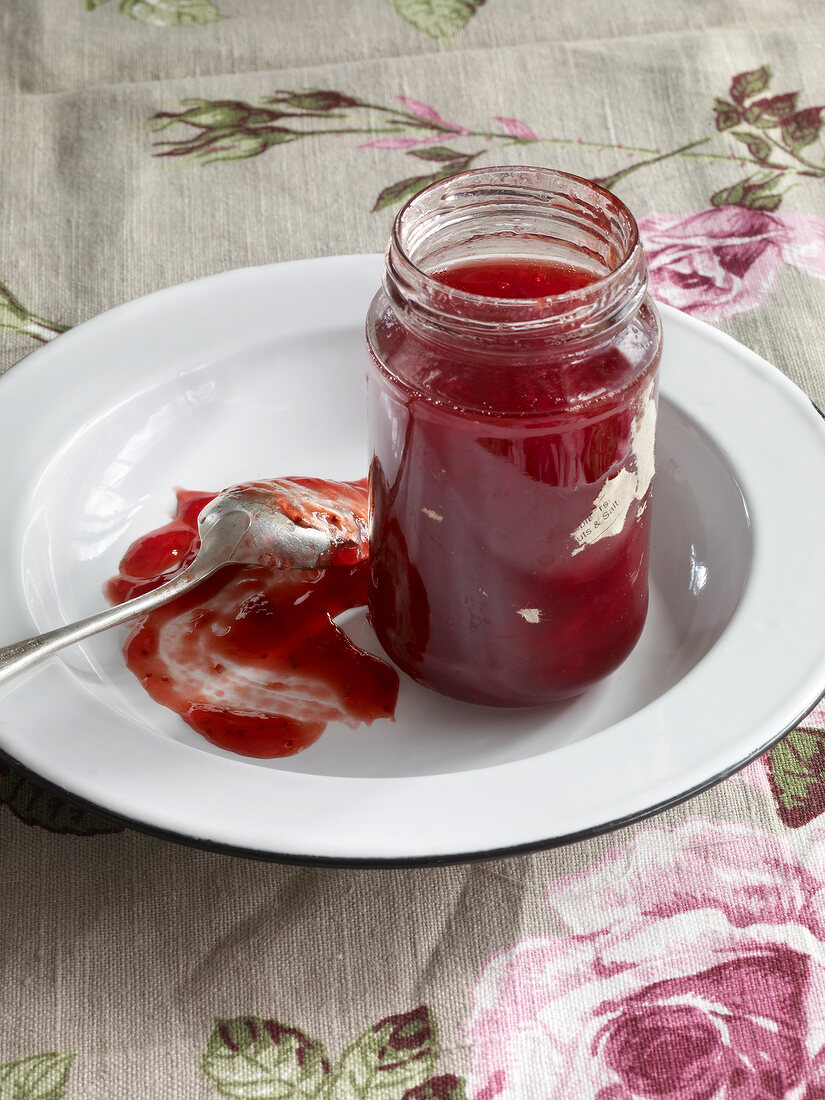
<point>450,857</point>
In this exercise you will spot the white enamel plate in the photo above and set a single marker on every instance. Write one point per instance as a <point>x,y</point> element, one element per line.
<point>259,373</point>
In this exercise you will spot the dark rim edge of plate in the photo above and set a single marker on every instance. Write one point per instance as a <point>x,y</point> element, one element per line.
<point>402,862</point>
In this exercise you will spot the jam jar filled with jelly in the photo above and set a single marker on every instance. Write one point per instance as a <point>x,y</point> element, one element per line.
<point>512,398</point>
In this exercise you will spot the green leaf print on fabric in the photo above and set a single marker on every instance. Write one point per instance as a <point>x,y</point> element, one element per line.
<point>727,114</point>
<point>388,1060</point>
<point>758,146</point>
<point>165,13</point>
<point>249,1057</point>
<point>802,128</point>
<point>252,1058</point>
<point>38,1077</point>
<point>770,112</point>
<point>404,189</point>
<point>778,132</point>
<point>440,154</point>
<point>797,774</point>
<point>745,85</point>
<point>237,130</point>
<point>440,19</point>
<point>15,316</point>
<point>34,805</point>
<point>755,193</point>
<point>765,133</point>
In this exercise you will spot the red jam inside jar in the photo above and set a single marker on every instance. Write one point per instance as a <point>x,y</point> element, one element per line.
<point>512,409</point>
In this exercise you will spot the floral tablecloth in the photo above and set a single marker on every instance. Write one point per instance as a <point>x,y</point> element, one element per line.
<point>148,142</point>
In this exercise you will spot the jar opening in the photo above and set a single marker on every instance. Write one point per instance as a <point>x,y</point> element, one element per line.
<point>523,214</point>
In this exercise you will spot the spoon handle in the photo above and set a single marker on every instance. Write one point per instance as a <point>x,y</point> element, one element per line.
<point>217,545</point>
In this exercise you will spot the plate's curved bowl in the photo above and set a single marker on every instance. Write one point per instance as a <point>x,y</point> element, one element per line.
<point>259,372</point>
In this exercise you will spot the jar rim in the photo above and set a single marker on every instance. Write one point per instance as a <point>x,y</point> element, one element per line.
<point>456,214</point>
<point>617,274</point>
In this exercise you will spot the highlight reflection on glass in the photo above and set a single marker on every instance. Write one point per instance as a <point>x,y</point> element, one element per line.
<point>698,573</point>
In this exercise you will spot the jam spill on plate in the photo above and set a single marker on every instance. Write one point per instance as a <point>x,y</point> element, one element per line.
<point>252,659</point>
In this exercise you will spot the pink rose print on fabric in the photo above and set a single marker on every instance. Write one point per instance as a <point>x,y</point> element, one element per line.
<point>516,128</point>
<point>428,114</point>
<point>695,971</point>
<point>425,111</point>
<point>755,776</point>
<point>724,260</point>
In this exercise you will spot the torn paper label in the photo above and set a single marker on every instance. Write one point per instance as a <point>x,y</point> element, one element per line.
<point>643,439</point>
<point>620,491</point>
<point>609,511</point>
<point>530,614</point>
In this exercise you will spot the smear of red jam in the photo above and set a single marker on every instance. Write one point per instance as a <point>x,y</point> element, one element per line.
<point>251,658</point>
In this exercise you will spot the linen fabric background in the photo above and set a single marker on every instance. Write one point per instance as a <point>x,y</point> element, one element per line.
<point>683,957</point>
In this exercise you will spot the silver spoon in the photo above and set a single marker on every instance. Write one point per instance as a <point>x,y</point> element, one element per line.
<point>279,524</point>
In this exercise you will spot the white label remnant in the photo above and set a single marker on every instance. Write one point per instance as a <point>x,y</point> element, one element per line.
<point>609,510</point>
<point>530,614</point>
<point>618,492</point>
<point>643,437</point>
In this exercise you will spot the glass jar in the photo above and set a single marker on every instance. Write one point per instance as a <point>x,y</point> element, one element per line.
<point>512,408</point>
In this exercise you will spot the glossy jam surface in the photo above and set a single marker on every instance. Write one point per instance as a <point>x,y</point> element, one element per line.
<point>510,490</point>
<point>251,659</point>
<point>512,278</point>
